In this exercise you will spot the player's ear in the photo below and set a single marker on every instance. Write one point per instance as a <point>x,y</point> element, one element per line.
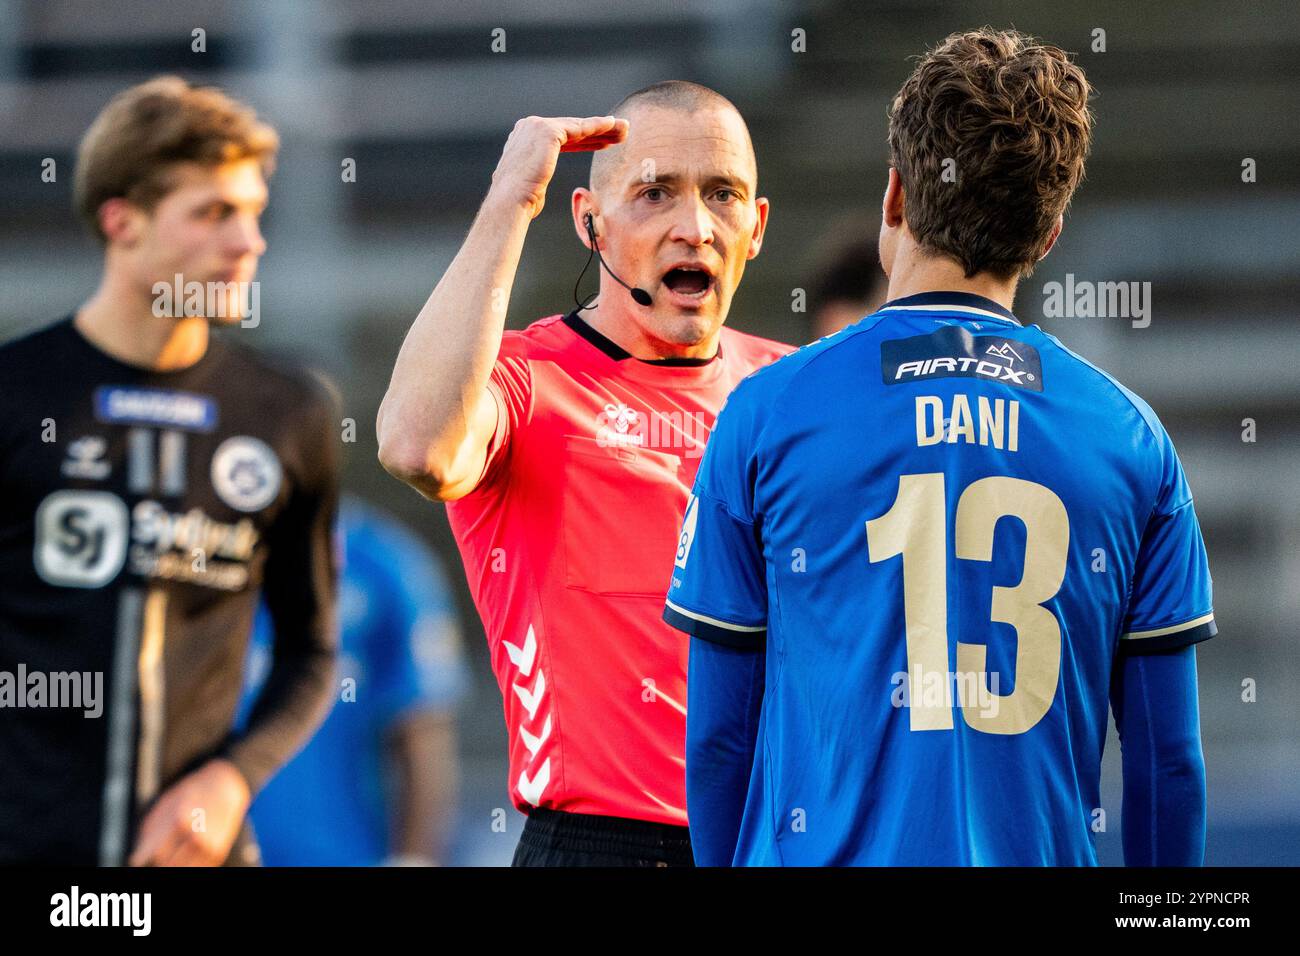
<point>763,207</point>
<point>892,209</point>
<point>584,204</point>
<point>121,221</point>
<point>1051,240</point>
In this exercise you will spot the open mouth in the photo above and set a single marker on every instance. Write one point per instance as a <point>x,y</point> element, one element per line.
<point>687,281</point>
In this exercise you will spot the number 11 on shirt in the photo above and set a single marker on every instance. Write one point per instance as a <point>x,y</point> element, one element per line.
<point>916,528</point>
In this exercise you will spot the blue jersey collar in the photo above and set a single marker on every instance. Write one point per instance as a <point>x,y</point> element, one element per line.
<point>956,301</point>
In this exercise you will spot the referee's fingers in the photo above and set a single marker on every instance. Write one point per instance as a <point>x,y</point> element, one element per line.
<point>592,132</point>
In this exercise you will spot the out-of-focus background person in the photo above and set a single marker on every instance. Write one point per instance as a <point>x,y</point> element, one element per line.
<point>378,782</point>
<point>155,476</point>
<point>850,283</point>
<point>391,117</point>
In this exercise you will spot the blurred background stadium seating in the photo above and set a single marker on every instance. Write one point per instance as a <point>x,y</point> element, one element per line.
<point>414,94</point>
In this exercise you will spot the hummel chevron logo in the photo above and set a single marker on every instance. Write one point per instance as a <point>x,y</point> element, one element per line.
<point>531,742</point>
<point>531,700</point>
<point>531,790</point>
<point>523,657</point>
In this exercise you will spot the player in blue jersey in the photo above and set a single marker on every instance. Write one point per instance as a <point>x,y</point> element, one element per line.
<point>377,783</point>
<point>924,553</point>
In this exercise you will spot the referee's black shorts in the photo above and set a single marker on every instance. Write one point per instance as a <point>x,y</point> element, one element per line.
<point>557,838</point>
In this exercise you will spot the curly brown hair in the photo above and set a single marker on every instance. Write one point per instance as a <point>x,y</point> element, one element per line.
<point>133,146</point>
<point>1012,116</point>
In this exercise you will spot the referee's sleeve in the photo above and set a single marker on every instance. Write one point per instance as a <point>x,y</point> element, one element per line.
<point>510,386</point>
<point>718,589</point>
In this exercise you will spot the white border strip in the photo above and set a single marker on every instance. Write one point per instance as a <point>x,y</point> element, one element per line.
<point>948,308</point>
<point>116,801</point>
<point>1174,629</point>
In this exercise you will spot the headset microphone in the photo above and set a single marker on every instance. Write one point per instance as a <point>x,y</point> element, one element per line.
<point>639,296</point>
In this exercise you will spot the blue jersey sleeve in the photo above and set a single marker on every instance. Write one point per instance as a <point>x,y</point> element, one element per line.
<point>718,589</point>
<point>724,698</point>
<point>416,651</point>
<point>1158,720</point>
<point>1171,603</point>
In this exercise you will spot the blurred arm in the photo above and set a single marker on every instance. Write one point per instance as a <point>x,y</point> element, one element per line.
<point>1154,700</point>
<point>299,587</point>
<point>724,695</point>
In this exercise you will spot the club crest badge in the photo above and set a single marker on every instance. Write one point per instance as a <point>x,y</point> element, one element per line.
<point>246,473</point>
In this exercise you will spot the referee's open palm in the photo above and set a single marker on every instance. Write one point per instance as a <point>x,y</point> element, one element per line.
<point>528,160</point>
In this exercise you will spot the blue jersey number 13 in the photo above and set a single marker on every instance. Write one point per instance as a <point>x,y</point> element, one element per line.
<point>916,528</point>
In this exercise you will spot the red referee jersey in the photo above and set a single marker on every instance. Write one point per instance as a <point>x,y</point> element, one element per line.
<point>567,543</point>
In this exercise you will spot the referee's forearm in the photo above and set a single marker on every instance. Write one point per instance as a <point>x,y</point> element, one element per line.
<point>442,371</point>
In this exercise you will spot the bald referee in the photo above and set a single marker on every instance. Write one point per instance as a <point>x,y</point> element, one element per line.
<point>567,450</point>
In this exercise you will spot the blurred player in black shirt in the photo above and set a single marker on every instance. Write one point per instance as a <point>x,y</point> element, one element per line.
<point>152,479</point>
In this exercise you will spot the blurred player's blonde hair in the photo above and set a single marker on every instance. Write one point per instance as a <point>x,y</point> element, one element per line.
<point>134,145</point>
<point>1007,117</point>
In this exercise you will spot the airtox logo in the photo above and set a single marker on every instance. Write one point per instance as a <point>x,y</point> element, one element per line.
<point>953,352</point>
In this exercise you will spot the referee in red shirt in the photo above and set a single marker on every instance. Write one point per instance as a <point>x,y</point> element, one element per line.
<point>567,451</point>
